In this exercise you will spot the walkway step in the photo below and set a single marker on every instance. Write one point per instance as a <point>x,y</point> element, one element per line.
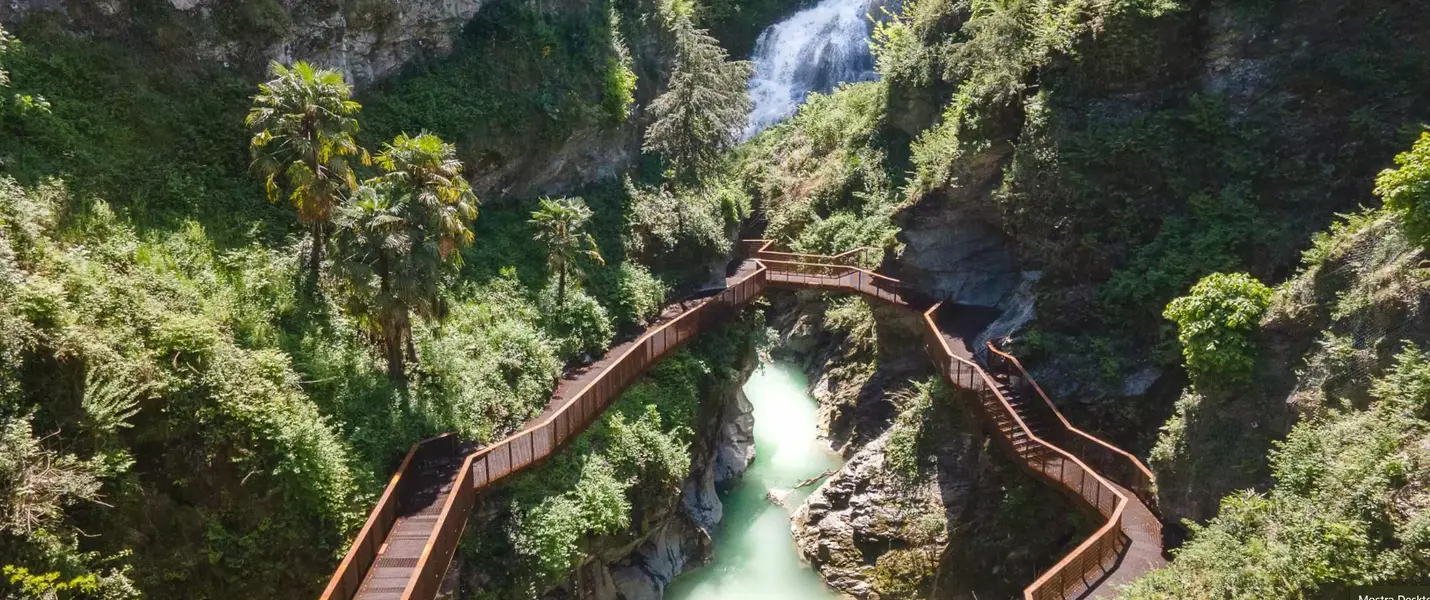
<point>427,485</point>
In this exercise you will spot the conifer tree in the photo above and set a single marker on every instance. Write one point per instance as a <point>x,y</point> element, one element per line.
<point>705,107</point>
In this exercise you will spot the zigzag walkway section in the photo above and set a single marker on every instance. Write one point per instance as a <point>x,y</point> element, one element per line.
<point>405,547</point>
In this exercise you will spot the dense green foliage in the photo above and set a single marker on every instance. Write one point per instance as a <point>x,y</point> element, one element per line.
<point>700,114</point>
<point>687,225</point>
<point>157,138</point>
<point>1348,507</point>
<point>825,178</point>
<point>1406,189</point>
<point>165,319</point>
<point>19,102</point>
<point>1215,321</point>
<point>187,420</point>
<point>522,81</point>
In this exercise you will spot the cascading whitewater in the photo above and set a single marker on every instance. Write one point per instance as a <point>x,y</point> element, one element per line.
<point>814,50</point>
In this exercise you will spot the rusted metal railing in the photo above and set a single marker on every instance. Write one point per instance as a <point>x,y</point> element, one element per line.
<point>1114,463</point>
<point>1044,456</point>
<point>1086,564</point>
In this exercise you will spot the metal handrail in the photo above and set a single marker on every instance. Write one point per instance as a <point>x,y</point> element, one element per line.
<point>760,249</point>
<point>545,435</point>
<point>522,449</point>
<point>1142,478</point>
<point>364,549</point>
<point>1055,582</point>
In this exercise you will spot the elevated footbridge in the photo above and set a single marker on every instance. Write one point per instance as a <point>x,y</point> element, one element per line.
<point>405,547</point>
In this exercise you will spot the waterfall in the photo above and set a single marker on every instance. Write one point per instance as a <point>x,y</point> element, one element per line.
<point>814,50</point>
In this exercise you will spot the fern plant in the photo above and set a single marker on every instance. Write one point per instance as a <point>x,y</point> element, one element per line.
<point>111,399</point>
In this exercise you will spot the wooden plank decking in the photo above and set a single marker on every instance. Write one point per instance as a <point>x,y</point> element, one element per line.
<point>403,551</point>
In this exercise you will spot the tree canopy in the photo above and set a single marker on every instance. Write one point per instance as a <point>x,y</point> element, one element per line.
<point>561,226</point>
<point>304,121</point>
<point>397,235</point>
<point>703,110</point>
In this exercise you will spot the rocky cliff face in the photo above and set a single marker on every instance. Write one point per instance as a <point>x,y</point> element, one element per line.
<point>536,131</point>
<point>968,523</point>
<point>365,39</point>
<point>873,534</point>
<point>954,244</point>
<point>584,156</point>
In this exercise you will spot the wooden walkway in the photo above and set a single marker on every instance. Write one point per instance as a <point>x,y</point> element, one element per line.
<point>406,546</point>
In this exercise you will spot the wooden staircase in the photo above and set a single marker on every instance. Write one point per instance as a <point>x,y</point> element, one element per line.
<point>419,512</point>
<point>406,546</point>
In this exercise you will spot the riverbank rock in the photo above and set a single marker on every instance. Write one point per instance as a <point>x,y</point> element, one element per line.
<point>735,448</point>
<point>659,560</point>
<point>701,501</point>
<point>969,524</point>
<point>856,513</point>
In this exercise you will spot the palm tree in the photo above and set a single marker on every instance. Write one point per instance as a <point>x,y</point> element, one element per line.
<point>440,201</point>
<point>398,232</point>
<point>372,244</point>
<point>303,123</point>
<point>560,224</point>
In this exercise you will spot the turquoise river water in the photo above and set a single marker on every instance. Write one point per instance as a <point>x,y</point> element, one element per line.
<point>755,557</point>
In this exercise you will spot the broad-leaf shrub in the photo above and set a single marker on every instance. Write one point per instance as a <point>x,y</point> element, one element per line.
<point>639,297</point>
<point>672,227</point>
<point>1215,321</point>
<point>579,325</point>
<point>1406,189</point>
<point>551,531</point>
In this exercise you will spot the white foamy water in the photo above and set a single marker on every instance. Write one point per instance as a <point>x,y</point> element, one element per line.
<point>814,50</point>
